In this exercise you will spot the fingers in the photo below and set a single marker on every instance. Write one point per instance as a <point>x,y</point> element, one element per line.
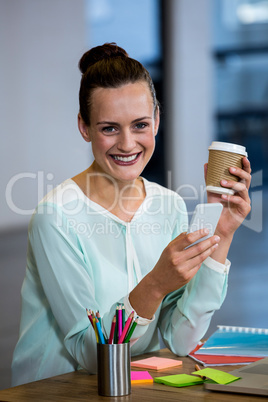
<point>185,240</point>
<point>193,237</point>
<point>183,248</point>
<point>239,188</point>
<point>243,206</point>
<point>177,265</point>
<point>199,258</point>
<point>203,245</point>
<point>244,174</point>
<point>240,200</point>
<point>246,165</point>
<point>243,185</point>
<point>197,253</point>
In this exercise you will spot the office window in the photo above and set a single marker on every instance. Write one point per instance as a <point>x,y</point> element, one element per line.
<point>135,26</point>
<point>240,49</point>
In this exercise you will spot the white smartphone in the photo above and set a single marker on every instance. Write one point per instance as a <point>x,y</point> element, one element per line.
<point>205,216</point>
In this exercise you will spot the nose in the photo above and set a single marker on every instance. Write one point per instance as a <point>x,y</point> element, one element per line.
<point>126,141</point>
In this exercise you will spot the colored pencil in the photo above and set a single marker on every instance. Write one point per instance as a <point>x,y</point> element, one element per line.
<point>102,340</point>
<point>89,314</point>
<point>116,326</point>
<point>197,369</point>
<point>95,326</point>
<point>111,337</point>
<point>98,316</point>
<point>130,332</point>
<point>123,316</point>
<point>90,318</point>
<point>102,326</point>
<point>119,321</point>
<point>119,326</point>
<point>126,327</point>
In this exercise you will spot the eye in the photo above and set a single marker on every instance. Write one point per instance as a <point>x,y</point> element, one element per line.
<point>140,126</point>
<point>109,129</point>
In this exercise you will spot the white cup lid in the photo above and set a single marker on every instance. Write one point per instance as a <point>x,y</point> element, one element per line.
<point>220,190</point>
<point>228,147</point>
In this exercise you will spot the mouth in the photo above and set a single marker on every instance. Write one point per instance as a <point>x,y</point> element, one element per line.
<point>126,159</point>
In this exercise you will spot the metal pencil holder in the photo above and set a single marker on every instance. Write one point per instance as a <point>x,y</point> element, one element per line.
<point>114,369</point>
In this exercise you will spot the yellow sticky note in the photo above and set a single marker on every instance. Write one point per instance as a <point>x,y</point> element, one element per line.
<point>218,376</point>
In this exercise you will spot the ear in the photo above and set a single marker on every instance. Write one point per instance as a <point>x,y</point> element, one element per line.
<point>156,121</point>
<point>83,128</point>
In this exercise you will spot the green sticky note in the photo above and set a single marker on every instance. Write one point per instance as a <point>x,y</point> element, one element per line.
<point>218,376</point>
<point>179,380</point>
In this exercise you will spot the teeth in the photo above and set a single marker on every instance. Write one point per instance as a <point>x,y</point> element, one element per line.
<point>125,158</point>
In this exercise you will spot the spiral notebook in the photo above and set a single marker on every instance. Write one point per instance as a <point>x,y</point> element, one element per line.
<point>217,360</point>
<point>236,341</point>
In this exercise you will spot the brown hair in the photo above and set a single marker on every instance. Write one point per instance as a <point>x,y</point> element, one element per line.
<point>109,66</point>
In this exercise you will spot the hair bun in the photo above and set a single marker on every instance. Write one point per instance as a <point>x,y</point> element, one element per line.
<point>98,53</point>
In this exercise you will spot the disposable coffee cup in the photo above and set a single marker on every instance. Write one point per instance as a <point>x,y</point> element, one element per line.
<point>222,156</point>
<point>114,369</point>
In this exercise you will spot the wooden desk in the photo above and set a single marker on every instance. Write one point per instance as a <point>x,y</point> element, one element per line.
<point>80,386</point>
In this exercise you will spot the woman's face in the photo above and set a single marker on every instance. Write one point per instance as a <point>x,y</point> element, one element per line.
<point>122,130</point>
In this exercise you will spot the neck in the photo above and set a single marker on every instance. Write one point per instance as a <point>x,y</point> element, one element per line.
<point>120,198</point>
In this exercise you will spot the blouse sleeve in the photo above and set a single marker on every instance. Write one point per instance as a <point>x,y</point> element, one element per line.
<point>186,313</point>
<point>67,281</point>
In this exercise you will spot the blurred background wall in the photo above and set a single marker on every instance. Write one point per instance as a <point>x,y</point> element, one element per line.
<point>40,43</point>
<point>209,63</point>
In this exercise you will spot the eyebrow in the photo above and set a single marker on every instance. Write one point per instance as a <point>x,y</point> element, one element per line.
<point>134,121</point>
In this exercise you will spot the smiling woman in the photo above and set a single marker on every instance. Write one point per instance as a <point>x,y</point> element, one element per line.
<point>119,115</point>
<point>122,133</point>
<point>109,236</point>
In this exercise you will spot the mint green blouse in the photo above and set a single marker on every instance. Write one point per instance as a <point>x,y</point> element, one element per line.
<point>82,256</point>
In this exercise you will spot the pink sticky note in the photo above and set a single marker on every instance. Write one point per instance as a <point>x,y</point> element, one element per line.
<point>141,377</point>
<point>156,363</point>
